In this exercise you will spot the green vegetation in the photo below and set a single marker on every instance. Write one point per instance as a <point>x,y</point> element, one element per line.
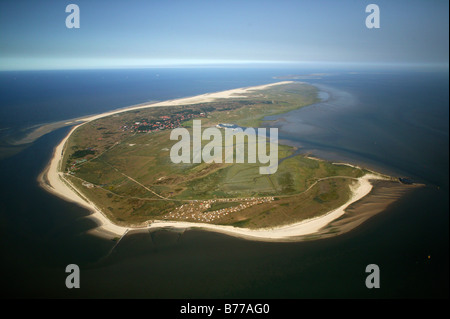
<point>128,174</point>
<point>82,153</point>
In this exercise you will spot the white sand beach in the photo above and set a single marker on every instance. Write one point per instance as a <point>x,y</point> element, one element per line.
<point>52,179</point>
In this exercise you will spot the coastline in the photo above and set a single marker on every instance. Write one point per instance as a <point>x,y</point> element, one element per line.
<point>202,98</point>
<point>39,130</point>
<point>53,181</point>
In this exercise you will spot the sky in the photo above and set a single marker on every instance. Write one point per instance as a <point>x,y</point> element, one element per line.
<point>117,33</point>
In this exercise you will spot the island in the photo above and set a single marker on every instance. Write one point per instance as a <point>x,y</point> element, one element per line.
<point>117,164</point>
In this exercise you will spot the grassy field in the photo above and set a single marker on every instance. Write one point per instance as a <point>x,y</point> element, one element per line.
<point>129,175</point>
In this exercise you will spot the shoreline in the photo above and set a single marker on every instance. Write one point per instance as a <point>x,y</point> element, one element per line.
<point>52,180</point>
<point>38,130</point>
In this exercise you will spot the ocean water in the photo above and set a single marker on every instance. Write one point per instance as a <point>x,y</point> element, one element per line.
<point>394,121</point>
<point>388,121</point>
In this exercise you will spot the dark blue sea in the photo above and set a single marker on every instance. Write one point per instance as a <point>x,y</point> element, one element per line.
<point>394,121</point>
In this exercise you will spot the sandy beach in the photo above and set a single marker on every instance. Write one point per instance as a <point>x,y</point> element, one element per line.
<point>52,179</point>
<point>203,98</point>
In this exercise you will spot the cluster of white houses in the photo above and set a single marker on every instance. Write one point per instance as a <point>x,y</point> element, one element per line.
<point>198,210</point>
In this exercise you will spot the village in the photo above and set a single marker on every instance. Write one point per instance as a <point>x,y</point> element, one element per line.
<point>165,122</point>
<point>142,126</point>
<point>198,210</point>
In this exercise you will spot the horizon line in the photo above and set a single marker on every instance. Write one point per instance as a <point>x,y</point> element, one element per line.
<point>225,64</point>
